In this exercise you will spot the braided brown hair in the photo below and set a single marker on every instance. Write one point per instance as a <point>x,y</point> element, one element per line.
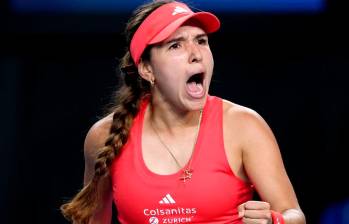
<point>82,207</point>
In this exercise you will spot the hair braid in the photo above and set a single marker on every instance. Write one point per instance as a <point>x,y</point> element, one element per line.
<point>82,207</point>
<point>119,130</point>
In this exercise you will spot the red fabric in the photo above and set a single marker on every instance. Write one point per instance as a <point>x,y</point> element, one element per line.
<point>212,195</point>
<point>277,218</point>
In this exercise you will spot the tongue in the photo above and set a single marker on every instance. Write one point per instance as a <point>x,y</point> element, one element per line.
<point>195,90</point>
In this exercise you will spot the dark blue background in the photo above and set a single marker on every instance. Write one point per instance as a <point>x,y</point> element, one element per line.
<point>120,6</point>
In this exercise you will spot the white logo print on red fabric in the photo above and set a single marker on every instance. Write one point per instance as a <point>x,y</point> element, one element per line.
<point>167,200</point>
<point>153,220</point>
<point>179,10</point>
<point>168,211</point>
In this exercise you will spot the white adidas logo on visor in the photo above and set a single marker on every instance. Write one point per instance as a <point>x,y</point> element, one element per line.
<point>167,200</point>
<point>179,10</point>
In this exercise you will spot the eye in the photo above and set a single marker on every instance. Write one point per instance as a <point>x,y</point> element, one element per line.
<point>203,41</point>
<point>175,45</point>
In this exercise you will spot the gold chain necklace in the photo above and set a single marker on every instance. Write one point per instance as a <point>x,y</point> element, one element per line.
<point>187,171</point>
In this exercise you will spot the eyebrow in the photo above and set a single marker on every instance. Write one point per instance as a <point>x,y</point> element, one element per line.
<point>182,39</point>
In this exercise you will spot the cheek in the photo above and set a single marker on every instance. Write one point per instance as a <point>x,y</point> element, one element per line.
<point>168,69</point>
<point>163,64</point>
<point>167,75</point>
<point>210,61</point>
<point>209,54</point>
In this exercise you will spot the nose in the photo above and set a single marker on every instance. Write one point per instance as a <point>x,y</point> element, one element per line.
<point>195,54</point>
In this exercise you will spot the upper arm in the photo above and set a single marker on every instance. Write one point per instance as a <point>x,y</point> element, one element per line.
<point>263,163</point>
<point>94,140</point>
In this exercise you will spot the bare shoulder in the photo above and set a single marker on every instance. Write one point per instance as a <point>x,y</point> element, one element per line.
<point>95,139</point>
<point>97,135</point>
<point>239,114</point>
<point>244,122</point>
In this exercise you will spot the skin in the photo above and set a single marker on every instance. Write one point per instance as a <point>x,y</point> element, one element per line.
<point>251,148</point>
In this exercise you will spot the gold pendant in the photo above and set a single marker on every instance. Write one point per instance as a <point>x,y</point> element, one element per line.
<point>187,174</point>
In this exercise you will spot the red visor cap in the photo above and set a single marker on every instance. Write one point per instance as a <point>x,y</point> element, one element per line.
<point>165,20</point>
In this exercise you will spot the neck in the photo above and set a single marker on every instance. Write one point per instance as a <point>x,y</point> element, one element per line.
<point>171,120</point>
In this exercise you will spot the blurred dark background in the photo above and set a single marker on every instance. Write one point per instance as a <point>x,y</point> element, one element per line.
<point>58,71</point>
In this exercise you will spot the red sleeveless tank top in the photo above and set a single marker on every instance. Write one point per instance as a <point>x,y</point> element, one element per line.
<point>212,195</point>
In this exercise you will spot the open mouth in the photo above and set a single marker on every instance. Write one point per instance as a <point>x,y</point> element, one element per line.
<point>195,87</point>
<point>196,78</point>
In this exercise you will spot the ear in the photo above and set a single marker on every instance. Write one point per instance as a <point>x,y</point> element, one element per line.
<point>146,71</point>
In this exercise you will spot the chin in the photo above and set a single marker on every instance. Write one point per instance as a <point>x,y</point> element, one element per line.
<point>197,104</point>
